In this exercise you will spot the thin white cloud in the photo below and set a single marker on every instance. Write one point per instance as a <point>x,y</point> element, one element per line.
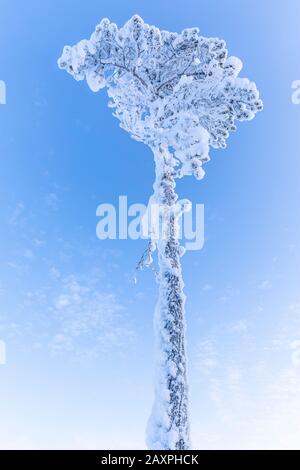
<point>73,314</point>
<point>16,214</point>
<point>238,326</point>
<point>87,320</point>
<point>28,254</point>
<point>52,201</point>
<point>207,287</point>
<point>253,399</point>
<point>264,285</point>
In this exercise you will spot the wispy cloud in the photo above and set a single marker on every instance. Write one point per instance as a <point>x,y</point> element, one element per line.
<point>28,254</point>
<point>238,326</point>
<point>71,314</point>
<point>52,201</point>
<point>264,285</point>
<point>88,321</point>
<point>253,399</point>
<point>207,287</point>
<point>13,219</point>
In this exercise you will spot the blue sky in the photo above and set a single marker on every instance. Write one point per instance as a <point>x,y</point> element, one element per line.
<point>78,331</point>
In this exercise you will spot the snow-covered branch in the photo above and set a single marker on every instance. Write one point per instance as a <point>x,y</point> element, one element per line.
<point>180,89</point>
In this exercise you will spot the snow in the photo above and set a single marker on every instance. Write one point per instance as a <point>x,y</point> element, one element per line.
<point>180,94</point>
<point>95,81</point>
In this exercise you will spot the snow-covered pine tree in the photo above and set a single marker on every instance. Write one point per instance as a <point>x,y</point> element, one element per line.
<point>180,94</point>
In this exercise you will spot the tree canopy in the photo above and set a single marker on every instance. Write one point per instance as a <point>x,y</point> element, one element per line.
<point>180,90</point>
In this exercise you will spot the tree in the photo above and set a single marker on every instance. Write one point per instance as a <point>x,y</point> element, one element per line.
<point>180,94</point>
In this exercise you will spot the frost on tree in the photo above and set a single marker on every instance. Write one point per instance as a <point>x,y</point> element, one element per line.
<point>180,94</point>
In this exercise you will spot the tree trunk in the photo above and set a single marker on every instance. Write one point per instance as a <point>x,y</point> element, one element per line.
<point>168,427</point>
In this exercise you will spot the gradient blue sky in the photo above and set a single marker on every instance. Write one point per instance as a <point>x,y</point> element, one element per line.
<point>78,331</point>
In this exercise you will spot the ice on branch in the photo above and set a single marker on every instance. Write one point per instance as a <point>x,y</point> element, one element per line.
<point>180,89</point>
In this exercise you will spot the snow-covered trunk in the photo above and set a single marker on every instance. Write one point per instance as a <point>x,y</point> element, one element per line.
<point>168,427</point>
